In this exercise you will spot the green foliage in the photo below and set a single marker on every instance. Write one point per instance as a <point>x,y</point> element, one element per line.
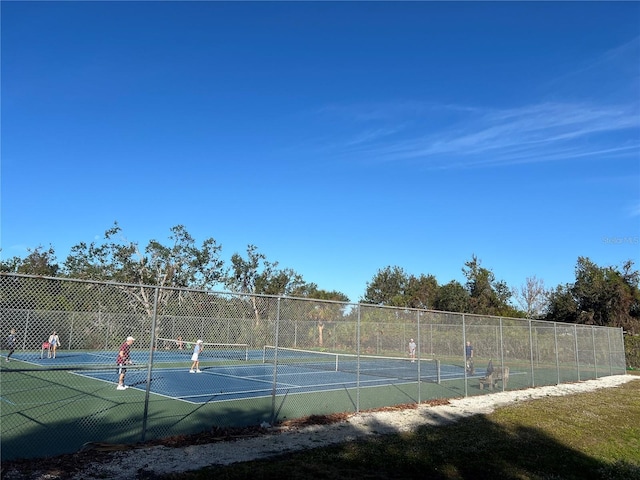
<point>483,294</point>
<point>392,286</point>
<point>257,275</point>
<point>37,262</point>
<point>605,296</point>
<point>421,291</point>
<point>387,287</point>
<point>181,264</point>
<point>563,307</point>
<point>632,351</point>
<point>487,296</point>
<point>452,297</point>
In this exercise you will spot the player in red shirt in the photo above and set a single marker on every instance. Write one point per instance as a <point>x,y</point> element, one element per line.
<point>124,358</point>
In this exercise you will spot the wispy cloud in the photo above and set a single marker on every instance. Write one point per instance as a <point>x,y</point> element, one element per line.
<point>533,133</point>
<point>595,113</point>
<point>613,75</point>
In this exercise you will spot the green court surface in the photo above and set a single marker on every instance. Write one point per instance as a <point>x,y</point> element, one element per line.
<point>54,411</point>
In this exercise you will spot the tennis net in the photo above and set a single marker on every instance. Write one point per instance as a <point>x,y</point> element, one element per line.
<point>223,351</point>
<point>379,366</point>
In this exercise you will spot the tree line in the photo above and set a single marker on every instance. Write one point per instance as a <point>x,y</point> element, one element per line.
<point>605,296</point>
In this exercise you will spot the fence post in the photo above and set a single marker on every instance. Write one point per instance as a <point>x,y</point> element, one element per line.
<point>555,337</point>
<point>275,363</point>
<point>464,356</point>
<point>575,336</point>
<point>609,350</point>
<point>501,346</point>
<point>595,353</point>
<point>358,359</point>
<point>152,342</point>
<point>419,360</point>
<point>533,381</point>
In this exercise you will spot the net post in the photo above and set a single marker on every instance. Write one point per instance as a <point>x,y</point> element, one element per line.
<point>437,370</point>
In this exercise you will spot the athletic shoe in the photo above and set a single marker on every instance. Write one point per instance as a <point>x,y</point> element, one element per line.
<point>192,371</point>
<point>121,387</point>
<point>198,371</point>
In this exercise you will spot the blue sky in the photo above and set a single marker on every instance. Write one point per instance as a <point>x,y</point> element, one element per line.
<point>337,137</point>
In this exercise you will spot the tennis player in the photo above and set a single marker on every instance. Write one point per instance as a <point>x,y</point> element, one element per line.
<point>123,359</point>
<point>197,350</point>
<point>468,350</point>
<point>54,341</point>
<point>11,343</point>
<point>45,346</point>
<point>412,350</point>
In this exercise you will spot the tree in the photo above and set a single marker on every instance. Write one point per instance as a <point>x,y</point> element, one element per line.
<point>605,296</point>
<point>325,312</point>
<point>452,297</point>
<point>392,286</point>
<point>421,291</point>
<point>255,275</point>
<point>37,262</point>
<point>182,264</point>
<point>562,305</point>
<point>387,287</point>
<point>531,297</point>
<point>486,295</point>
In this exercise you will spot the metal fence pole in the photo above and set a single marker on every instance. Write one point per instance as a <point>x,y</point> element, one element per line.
<point>464,356</point>
<point>501,347</point>
<point>152,342</point>
<point>609,349</point>
<point>358,359</point>
<point>575,336</point>
<point>595,354</point>
<point>555,338</point>
<point>533,381</point>
<point>431,338</point>
<point>419,360</point>
<point>275,363</point>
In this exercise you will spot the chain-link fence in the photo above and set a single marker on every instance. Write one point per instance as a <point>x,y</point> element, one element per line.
<point>265,359</point>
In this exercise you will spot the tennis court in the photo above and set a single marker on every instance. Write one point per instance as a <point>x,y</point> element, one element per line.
<point>55,405</point>
<point>232,373</point>
<point>77,392</point>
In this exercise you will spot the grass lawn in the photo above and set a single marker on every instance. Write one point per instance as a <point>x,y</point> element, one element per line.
<point>592,435</point>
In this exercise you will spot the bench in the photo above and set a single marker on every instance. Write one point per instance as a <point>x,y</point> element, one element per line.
<point>499,374</point>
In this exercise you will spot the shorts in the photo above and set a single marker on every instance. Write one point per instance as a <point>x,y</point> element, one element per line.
<point>121,369</point>
<point>194,357</point>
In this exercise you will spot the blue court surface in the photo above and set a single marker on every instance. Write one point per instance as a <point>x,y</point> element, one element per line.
<point>242,378</point>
